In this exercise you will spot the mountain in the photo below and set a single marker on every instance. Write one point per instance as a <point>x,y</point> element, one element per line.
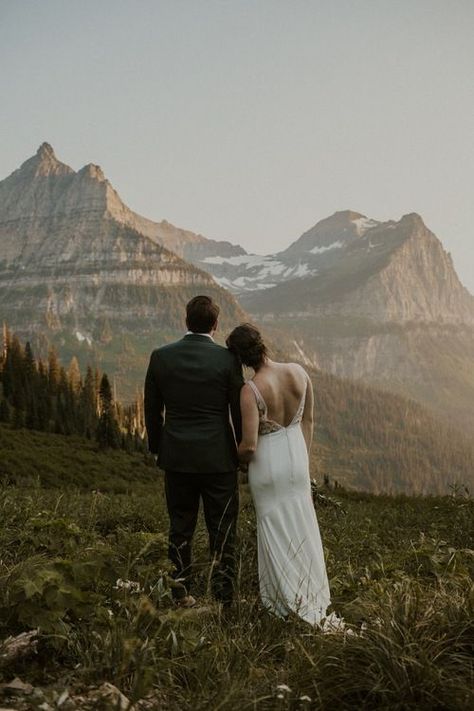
<point>317,248</point>
<point>370,300</point>
<point>80,270</point>
<point>392,271</point>
<point>384,305</point>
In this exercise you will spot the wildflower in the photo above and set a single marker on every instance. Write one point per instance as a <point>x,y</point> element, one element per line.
<point>130,585</point>
<point>283,687</point>
<point>304,698</point>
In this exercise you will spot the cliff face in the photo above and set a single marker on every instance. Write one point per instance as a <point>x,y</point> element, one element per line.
<point>76,271</point>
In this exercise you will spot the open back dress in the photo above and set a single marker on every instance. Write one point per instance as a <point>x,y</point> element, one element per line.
<point>291,567</point>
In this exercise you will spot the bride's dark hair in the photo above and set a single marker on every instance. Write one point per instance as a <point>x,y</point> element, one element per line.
<point>247,343</point>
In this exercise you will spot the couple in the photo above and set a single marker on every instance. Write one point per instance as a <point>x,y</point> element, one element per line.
<point>190,387</point>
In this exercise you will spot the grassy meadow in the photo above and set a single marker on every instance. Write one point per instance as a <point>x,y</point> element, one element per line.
<point>83,561</point>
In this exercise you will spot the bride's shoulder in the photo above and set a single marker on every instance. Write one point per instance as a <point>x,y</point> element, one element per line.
<point>297,367</point>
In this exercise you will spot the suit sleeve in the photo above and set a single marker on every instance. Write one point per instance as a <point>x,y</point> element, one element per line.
<point>154,406</point>
<point>236,384</point>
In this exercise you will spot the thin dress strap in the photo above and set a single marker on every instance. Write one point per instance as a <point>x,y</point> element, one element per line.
<point>258,396</point>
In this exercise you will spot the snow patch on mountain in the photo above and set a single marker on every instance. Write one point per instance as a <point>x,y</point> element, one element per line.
<point>363,224</point>
<point>81,337</point>
<point>319,250</point>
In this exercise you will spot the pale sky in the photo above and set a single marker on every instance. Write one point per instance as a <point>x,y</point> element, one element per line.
<point>250,120</point>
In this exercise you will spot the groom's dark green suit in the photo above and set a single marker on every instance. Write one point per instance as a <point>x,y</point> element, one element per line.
<point>191,387</point>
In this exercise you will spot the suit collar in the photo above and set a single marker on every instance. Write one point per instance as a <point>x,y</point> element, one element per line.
<point>204,337</point>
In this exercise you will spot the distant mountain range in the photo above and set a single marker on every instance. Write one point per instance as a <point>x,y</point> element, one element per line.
<point>359,298</point>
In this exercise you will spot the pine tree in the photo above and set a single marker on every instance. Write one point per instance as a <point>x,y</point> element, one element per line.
<point>30,385</point>
<point>74,375</point>
<point>15,369</point>
<point>53,371</point>
<point>108,433</point>
<point>44,401</point>
<point>88,404</point>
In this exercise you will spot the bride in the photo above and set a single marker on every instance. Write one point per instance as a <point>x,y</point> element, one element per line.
<point>277,429</point>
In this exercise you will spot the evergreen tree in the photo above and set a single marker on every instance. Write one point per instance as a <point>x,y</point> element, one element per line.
<point>53,371</point>
<point>88,404</point>
<point>30,385</point>
<point>108,433</point>
<point>74,375</point>
<point>44,401</point>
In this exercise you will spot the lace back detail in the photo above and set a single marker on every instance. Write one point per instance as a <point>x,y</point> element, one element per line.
<point>265,425</point>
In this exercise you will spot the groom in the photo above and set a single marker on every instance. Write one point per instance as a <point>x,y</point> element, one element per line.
<point>190,387</point>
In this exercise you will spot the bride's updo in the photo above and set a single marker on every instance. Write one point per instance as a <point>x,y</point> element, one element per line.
<point>247,343</point>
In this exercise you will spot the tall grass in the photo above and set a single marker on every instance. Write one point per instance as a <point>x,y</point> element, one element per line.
<point>90,570</point>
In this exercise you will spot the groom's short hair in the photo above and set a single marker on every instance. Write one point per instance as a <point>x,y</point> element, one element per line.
<point>201,314</point>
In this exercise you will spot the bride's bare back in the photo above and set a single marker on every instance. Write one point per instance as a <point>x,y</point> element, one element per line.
<point>282,386</point>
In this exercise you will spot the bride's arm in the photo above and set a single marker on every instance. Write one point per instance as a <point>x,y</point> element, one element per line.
<point>248,408</point>
<point>307,421</point>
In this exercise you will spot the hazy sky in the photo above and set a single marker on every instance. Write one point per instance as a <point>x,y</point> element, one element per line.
<point>250,120</point>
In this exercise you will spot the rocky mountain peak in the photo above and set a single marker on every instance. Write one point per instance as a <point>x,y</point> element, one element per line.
<point>46,150</point>
<point>343,215</point>
<point>44,163</point>
<point>334,231</point>
<point>92,171</point>
<point>413,221</point>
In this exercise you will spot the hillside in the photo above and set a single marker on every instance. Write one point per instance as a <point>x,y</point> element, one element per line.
<point>85,575</point>
<point>373,440</point>
<point>364,439</point>
<point>31,459</point>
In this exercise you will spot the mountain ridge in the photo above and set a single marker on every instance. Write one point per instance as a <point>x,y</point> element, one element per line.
<point>76,273</point>
<point>387,260</point>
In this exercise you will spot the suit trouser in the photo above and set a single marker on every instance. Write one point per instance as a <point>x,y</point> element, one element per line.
<point>220,497</point>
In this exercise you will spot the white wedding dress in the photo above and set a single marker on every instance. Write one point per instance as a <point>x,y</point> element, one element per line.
<point>291,567</point>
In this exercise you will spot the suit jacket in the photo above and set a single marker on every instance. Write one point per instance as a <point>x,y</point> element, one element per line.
<point>189,387</point>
